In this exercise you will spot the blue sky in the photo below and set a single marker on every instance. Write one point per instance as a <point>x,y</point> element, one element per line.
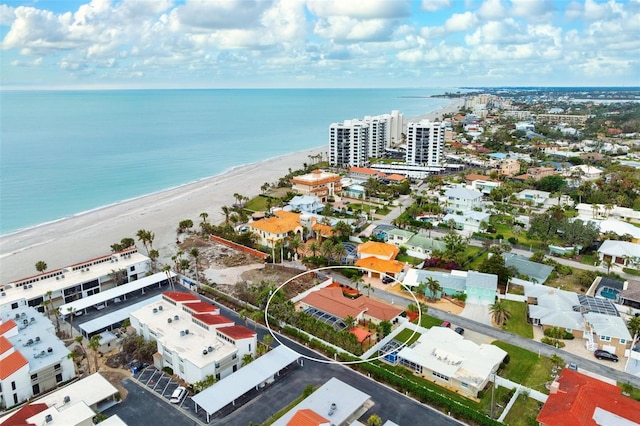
<point>318,43</point>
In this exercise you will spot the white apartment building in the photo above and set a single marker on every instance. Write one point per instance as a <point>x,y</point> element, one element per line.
<point>32,358</point>
<point>459,199</point>
<point>75,281</point>
<point>193,339</point>
<point>425,143</point>
<point>354,142</point>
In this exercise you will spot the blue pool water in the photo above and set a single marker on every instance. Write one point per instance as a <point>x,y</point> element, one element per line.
<point>609,293</point>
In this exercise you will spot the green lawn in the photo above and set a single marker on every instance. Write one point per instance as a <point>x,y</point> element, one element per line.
<point>409,259</point>
<point>429,321</point>
<point>406,336</point>
<point>517,324</point>
<point>257,204</point>
<point>523,412</point>
<point>525,367</point>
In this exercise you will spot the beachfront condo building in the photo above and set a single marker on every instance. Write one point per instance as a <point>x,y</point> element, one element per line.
<point>425,143</point>
<point>33,359</point>
<point>353,142</point>
<point>192,338</point>
<point>318,183</point>
<point>73,282</point>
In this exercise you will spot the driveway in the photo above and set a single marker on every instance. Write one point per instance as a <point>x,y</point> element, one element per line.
<point>477,312</point>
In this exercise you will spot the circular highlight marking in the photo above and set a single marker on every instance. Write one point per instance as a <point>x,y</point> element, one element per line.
<point>326,360</point>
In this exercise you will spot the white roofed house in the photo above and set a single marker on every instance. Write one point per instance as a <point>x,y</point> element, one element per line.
<point>193,339</point>
<point>444,356</point>
<point>622,253</point>
<point>461,199</point>
<point>305,203</point>
<point>469,221</point>
<point>594,319</point>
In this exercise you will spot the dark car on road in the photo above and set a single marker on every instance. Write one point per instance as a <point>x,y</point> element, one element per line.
<point>386,279</point>
<point>459,330</point>
<point>600,354</point>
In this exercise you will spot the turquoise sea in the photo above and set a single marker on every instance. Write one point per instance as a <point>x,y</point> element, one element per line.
<point>67,152</point>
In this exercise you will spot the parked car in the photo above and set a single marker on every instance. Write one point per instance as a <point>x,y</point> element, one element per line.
<point>600,354</point>
<point>100,306</point>
<point>178,395</point>
<point>386,279</point>
<point>445,324</point>
<point>573,366</point>
<point>459,330</point>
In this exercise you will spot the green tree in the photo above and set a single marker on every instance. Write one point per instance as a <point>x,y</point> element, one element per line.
<point>246,359</point>
<point>634,326</point>
<point>349,322</point>
<point>384,328</point>
<point>494,264</point>
<point>499,312</point>
<point>41,266</point>
<point>434,288</point>
<point>357,280</point>
<point>374,420</point>
<point>195,253</point>
<point>369,289</point>
<point>204,216</point>
<point>94,345</point>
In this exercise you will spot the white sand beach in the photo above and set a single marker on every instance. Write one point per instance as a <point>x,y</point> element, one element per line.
<point>91,234</point>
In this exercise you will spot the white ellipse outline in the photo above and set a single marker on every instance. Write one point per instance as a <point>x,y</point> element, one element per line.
<point>329,360</point>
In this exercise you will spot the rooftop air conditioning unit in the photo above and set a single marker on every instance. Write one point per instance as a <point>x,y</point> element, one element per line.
<point>30,285</point>
<point>155,310</point>
<point>26,287</point>
<point>23,314</point>
<point>29,342</point>
<point>50,349</point>
<point>186,331</point>
<point>3,294</point>
<point>160,307</point>
<point>25,322</point>
<point>181,333</point>
<point>62,276</point>
<point>48,418</point>
<point>32,319</point>
<point>67,399</point>
<point>204,352</point>
<point>210,349</point>
<point>169,320</point>
<point>176,317</point>
<point>17,316</point>
<point>57,278</point>
<point>37,339</point>
<point>87,269</point>
<point>42,353</point>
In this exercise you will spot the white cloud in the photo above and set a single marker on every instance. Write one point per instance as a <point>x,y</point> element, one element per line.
<point>343,29</point>
<point>221,14</point>
<point>434,5</point>
<point>7,15</point>
<point>370,9</point>
<point>460,22</point>
<point>492,10</point>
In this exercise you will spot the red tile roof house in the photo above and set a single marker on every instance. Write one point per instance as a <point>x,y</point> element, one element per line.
<point>332,301</point>
<point>579,400</point>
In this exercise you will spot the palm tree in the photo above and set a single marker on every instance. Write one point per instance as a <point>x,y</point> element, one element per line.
<point>369,289</point>
<point>499,313</point>
<point>143,238</point>
<point>349,322</point>
<point>94,344</point>
<point>46,302</point>
<point>356,280</point>
<point>41,266</point>
<point>167,270</point>
<point>80,340</point>
<point>246,359</point>
<point>204,216</point>
<point>434,287</point>
<point>195,253</point>
<point>267,340</point>
<point>295,243</point>
<point>226,210</point>
<point>70,311</point>
<point>154,255</point>
<point>314,248</point>
<point>634,326</point>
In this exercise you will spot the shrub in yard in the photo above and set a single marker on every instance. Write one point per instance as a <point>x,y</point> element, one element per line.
<point>552,342</point>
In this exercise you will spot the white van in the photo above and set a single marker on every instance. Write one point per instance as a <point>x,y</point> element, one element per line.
<point>177,395</point>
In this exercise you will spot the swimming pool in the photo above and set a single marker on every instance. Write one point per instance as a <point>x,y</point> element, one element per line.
<point>609,293</point>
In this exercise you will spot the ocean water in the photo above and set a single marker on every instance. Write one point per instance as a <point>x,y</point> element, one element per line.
<point>66,152</point>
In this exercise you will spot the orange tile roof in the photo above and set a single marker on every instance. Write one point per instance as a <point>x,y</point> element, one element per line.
<point>375,248</point>
<point>237,332</point>
<point>474,176</point>
<point>11,363</point>
<point>202,307</point>
<point>6,326</point>
<point>19,418</point>
<point>380,265</point>
<point>365,171</point>
<point>578,397</point>
<point>360,334</point>
<point>396,177</point>
<point>332,301</point>
<point>178,296</point>
<point>283,214</point>
<point>276,225</point>
<point>317,177</point>
<point>324,230</point>
<point>212,319</point>
<point>5,345</point>
<point>307,417</point>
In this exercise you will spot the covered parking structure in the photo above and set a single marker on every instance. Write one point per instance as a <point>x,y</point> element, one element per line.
<point>256,374</point>
<point>113,319</point>
<point>104,297</point>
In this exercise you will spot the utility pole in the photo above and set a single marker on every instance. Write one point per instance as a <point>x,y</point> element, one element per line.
<point>493,388</point>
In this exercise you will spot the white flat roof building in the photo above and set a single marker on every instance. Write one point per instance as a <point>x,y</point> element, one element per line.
<point>445,356</point>
<point>193,345</point>
<point>74,281</point>
<point>335,401</point>
<point>73,405</point>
